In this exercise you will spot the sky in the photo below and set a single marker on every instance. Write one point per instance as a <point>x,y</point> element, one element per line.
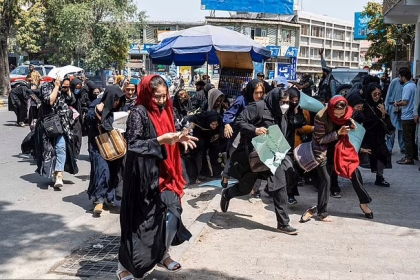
<point>189,10</point>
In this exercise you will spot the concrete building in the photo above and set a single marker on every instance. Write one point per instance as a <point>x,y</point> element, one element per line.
<point>278,33</point>
<point>335,35</point>
<point>150,36</point>
<point>405,12</point>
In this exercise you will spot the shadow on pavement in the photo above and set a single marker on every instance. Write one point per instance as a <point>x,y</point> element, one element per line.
<point>25,158</point>
<point>41,182</point>
<point>232,220</point>
<point>28,238</point>
<point>204,196</point>
<point>196,274</point>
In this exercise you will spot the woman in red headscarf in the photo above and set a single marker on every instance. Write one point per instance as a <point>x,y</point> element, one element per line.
<point>333,151</point>
<point>153,183</point>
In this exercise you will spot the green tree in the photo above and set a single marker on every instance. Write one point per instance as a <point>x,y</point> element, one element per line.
<point>388,41</point>
<point>96,30</point>
<point>24,20</point>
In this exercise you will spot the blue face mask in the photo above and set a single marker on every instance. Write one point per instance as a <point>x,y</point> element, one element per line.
<point>76,91</point>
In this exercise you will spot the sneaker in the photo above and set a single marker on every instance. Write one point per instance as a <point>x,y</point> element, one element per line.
<point>292,200</point>
<point>405,161</point>
<point>98,209</point>
<point>335,195</point>
<point>287,230</point>
<point>58,180</point>
<point>21,124</point>
<point>257,194</point>
<point>224,201</point>
<point>380,181</point>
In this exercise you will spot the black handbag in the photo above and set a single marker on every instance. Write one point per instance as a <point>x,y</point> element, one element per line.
<point>52,126</point>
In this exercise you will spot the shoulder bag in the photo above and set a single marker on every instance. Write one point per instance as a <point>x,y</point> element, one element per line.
<point>389,128</point>
<point>52,125</point>
<point>111,144</point>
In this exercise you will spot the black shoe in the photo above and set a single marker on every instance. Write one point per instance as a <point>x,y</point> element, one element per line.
<point>367,215</point>
<point>287,230</point>
<point>257,194</point>
<point>224,201</point>
<point>292,200</point>
<point>380,181</point>
<point>335,195</point>
<point>224,185</point>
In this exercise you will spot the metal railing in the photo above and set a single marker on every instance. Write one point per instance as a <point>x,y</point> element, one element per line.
<point>388,5</point>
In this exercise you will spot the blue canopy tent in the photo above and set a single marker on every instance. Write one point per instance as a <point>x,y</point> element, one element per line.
<point>197,45</point>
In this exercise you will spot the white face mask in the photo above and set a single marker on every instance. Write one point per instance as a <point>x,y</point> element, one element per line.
<point>284,108</point>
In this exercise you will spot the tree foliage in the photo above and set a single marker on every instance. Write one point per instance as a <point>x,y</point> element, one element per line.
<point>96,30</point>
<point>387,40</point>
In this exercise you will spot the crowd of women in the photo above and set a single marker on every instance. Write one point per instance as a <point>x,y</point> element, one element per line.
<point>175,142</point>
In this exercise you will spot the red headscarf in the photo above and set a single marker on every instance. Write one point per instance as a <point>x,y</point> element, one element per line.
<point>330,110</point>
<point>170,169</point>
<point>346,159</point>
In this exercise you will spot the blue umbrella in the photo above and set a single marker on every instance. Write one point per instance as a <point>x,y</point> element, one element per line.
<point>197,45</point>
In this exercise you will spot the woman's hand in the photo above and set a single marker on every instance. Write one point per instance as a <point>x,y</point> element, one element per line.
<point>382,109</point>
<point>169,138</point>
<point>296,109</point>
<point>344,130</point>
<point>57,82</point>
<point>365,151</point>
<point>228,131</point>
<point>261,130</point>
<point>188,142</point>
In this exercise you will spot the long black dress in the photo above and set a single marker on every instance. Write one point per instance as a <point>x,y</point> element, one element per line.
<point>143,211</point>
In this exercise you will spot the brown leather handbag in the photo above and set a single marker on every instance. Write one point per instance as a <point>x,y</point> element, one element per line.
<point>111,144</point>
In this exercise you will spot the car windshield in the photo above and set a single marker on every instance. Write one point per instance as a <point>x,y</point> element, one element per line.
<point>349,77</point>
<point>21,70</point>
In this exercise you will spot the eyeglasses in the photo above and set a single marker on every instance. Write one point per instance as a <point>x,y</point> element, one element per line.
<point>285,101</point>
<point>376,94</point>
<point>339,108</point>
<point>64,87</point>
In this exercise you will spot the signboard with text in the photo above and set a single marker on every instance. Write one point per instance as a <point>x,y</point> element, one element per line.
<point>361,26</point>
<point>275,50</point>
<point>280,7</point>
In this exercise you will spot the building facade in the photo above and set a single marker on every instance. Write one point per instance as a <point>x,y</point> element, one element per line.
<point>405,12</point>
<point>334,35</point>
<point>277,33</point>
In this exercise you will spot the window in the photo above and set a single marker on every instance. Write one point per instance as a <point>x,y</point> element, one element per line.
<point>258,32</point>
<point>286,35</point>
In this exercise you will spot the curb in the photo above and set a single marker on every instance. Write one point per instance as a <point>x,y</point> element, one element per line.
<point>3,102</point>
<point>197,227</point>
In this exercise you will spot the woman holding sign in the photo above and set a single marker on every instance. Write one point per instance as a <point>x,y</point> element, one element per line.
<point>331,146</point>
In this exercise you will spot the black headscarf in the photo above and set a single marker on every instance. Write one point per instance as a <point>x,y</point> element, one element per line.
<point>293,92</point>
<point>367,90</point>
<point>249,90</point>
<point>91,87</point>
<point>354,99</point>
<point>111,94</point>
<point>204,119</point>
<point>74,83</point>
<point>273,101</point>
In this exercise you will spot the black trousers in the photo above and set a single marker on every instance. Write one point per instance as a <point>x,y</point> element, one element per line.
<point>324,174</point>
<point>21,110</point>
<point>409,137</point>
<point>246,183</point>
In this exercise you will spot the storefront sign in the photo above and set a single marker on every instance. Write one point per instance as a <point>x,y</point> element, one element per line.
<point>293,67</point>
<point>283,70</point>
<point>262,40</point>
<point>292,52</point>
<point>258,68</point>
<point>275,50</point>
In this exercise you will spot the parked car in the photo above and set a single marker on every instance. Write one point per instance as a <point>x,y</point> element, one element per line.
<point>19,74</point>
<point>345,78</point>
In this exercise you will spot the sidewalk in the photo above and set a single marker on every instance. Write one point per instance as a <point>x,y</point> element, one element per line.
<point>243,243</point>
<point>3,101</point>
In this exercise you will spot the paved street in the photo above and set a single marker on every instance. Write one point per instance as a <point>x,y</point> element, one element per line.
<point>39,227</point>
